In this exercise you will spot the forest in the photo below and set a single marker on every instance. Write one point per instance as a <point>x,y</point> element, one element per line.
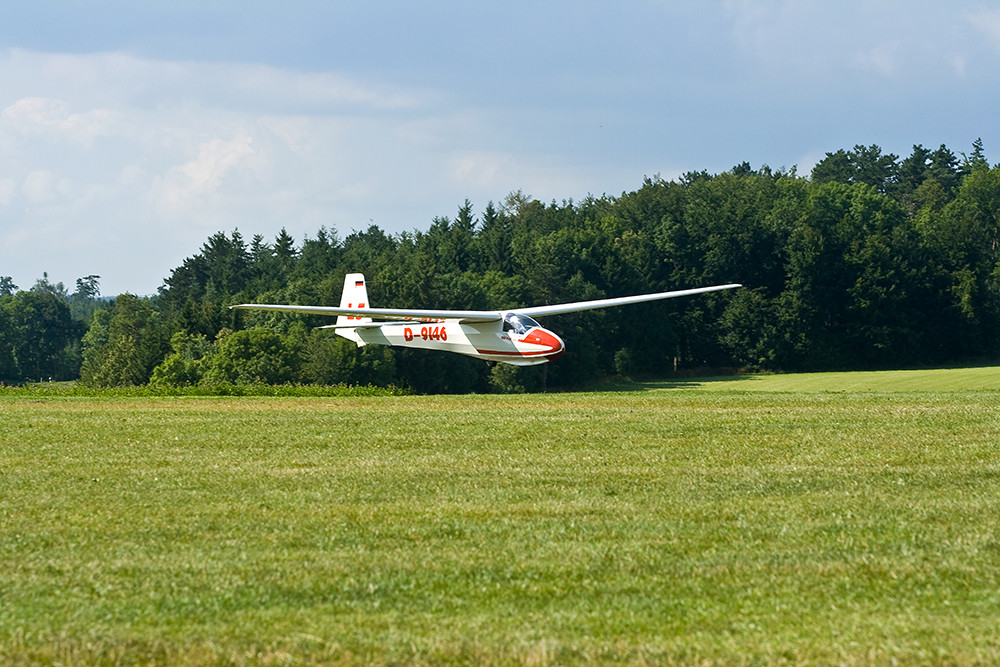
<point>872,261</point>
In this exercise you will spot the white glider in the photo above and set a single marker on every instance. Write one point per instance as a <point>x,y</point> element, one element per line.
<point>507,336</point>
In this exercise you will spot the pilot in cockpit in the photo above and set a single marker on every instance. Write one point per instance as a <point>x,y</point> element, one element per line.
<point>519,324</point>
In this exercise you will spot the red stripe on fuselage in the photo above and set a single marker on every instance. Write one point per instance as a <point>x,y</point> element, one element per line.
<point>539,337</point>
<point>515,353</point>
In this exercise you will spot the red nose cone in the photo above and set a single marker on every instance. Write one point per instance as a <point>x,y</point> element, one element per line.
<point>547,339</point>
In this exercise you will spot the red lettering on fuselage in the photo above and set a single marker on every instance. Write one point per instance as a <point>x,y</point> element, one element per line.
<point>433,333</point>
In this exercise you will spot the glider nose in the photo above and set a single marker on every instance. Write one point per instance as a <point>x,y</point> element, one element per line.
<point>545,338</point>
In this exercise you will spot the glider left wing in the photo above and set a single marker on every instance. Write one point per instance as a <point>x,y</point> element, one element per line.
<point>396,314</point>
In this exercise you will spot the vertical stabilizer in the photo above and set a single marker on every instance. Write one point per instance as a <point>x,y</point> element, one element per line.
<point>355,295</point>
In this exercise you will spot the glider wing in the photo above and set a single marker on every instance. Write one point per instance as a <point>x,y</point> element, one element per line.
<point>561,308</point>
<point>395,314</point>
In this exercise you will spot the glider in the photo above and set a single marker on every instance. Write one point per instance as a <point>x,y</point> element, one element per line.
<point>507,336</point>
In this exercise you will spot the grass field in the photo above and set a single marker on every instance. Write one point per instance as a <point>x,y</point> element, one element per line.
<point>978,378</point>
<point>726,521</point>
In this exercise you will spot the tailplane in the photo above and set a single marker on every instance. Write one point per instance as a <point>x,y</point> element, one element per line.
<point>355,295</point>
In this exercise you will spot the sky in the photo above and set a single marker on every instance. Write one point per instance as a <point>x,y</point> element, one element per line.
<point>130,132</point>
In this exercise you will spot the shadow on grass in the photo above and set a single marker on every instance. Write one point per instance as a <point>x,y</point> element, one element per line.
<point>626,385</point>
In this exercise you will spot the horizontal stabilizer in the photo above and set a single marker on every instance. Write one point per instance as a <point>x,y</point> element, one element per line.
<point>361,325</point>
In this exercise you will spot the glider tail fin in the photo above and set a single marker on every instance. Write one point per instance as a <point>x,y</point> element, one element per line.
<point>355,295</point>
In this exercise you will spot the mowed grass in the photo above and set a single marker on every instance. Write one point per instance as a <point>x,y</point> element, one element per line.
<point>658,525</point>
<point>978,378</point>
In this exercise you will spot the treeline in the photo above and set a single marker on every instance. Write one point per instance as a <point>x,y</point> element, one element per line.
<point>41,328</point>
<point>872,261</point>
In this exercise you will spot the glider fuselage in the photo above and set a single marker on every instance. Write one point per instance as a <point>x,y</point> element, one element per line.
<point>492,341</point>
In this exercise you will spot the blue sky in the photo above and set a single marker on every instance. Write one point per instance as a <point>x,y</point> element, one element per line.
<point>131,131</point>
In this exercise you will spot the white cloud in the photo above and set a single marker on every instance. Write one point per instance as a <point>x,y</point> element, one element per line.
<point>43,186</point>
<point>118,79</point>
<point>960,64</point>
<point>494,171</point>
<point>54,120</point>
<point>268,87</point>
<point>778,36</point>
<point>986,21</point>
<point>805,164</point>
<point>7,187</point>
<point>203,175</point>
<point>481,171</point>
<point>826,43</point>
<point>880,59</point>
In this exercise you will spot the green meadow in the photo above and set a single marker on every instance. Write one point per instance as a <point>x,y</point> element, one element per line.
<point>838,518</point>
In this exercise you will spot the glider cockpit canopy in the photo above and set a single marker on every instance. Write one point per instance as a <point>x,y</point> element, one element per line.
<point>519,324</point>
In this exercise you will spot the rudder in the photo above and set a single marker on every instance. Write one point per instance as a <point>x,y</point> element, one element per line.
<point>355,295</point>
